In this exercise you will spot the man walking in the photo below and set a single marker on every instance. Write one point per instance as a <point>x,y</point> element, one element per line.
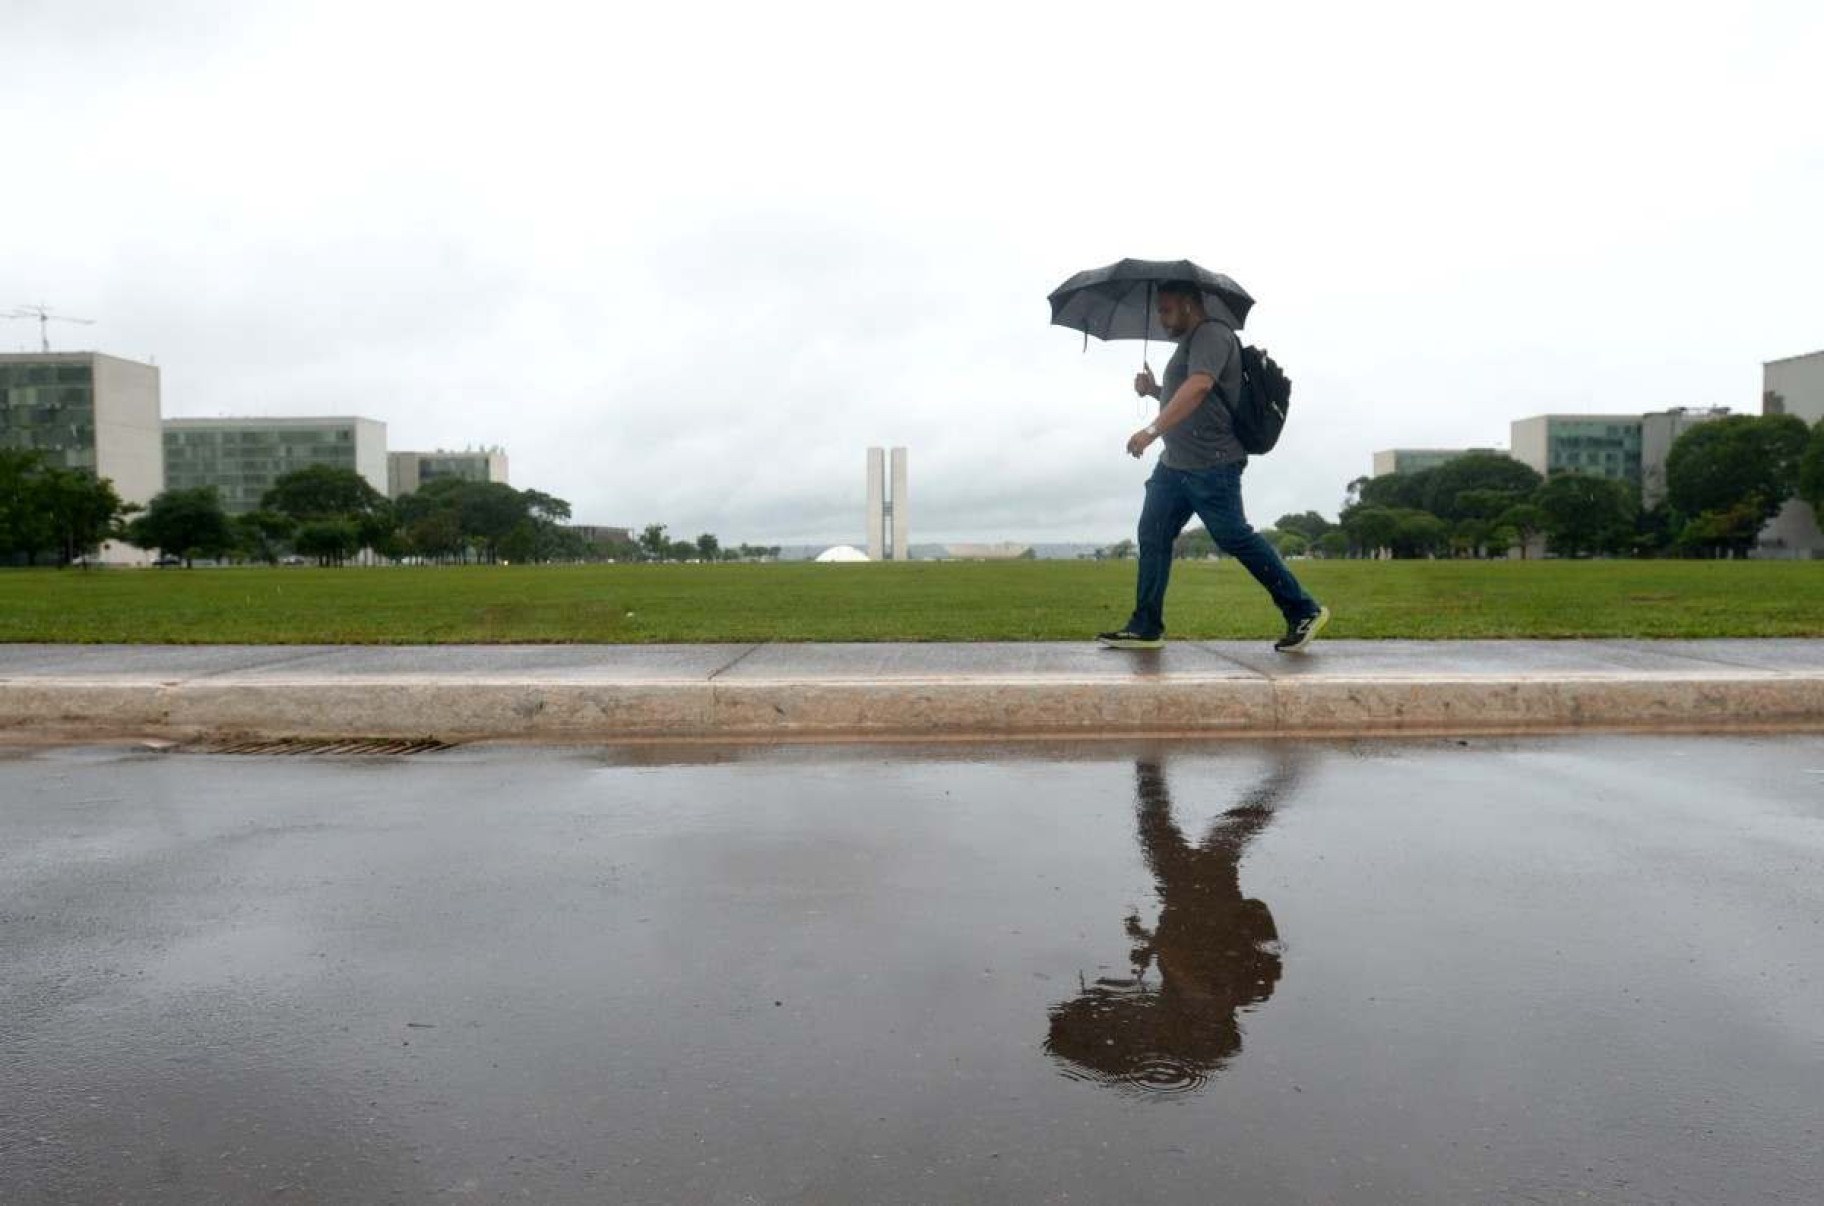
<point>1200,474</point>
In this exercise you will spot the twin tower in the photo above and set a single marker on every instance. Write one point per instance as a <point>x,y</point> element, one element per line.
<point>887,511</point>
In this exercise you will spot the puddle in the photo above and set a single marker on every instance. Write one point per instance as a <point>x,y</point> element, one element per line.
<point>1421,971</point>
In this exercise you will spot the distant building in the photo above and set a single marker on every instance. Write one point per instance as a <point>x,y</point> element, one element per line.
<point>597,534</point>
<point>1660,430</point>
<point>1599,445</point>
<point>888,518</point>
<point>1793,386</point>
<point>601,538</point>
<point>876,519</point>
<point>88,411</point>
<point>1002,551</point>
<point>842,553</point>
<point>242,458</point>
<point>1416,460</point>
<point>407,472</point>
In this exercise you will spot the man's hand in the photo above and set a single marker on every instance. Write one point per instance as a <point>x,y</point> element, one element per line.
<point>1136,443</point>
<point>1144,385</point>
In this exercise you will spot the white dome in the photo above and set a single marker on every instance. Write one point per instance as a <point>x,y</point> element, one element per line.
<point>842,552</point>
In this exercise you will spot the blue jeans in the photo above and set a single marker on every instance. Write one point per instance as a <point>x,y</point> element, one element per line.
<point>1214,496</point>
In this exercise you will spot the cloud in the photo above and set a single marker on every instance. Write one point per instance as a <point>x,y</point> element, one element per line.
<point>686,264</point>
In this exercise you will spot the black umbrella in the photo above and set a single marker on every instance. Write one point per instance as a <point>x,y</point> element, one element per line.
<point>1116,302</point>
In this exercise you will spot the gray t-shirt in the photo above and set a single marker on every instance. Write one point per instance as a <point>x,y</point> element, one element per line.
<point>1207,437</point>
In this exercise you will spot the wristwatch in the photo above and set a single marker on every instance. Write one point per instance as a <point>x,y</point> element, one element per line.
<point>1152,429</point>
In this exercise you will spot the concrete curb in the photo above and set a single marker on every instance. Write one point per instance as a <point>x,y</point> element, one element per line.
<point>454,708</point>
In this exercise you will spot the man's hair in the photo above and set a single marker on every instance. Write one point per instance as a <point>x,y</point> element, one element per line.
<point>1185,289</point>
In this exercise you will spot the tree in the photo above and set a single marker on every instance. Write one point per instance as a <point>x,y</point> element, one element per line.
<point>1194,544</point>
<point>1121,550</point>
<point>323,492</point>
<point>25,529</point>
<point>490,519</point>
<point>259,535</point>
<point>1525,520</point>
<point>1418,534</point>
<point>552,540</point>
<point>1287,544</point>
<point>330,541</point>
<point>708,547</point>
<point>1310,525</point>
<point>654,543</point>
<point>1811,468</point>
<point>1470,536</point>
<point>489,512</point>
<point>521,545</point>
<point>544,508</point>
<point>436,535</point>
<point>323,497</point>
<point>1398,491</point>
<point>1587,514</point>
<point>1334,543</point>
<point>184,523</point>
<point>381,532</point>
<point>1371,528</point>
<point>1477,473</point>
<point>82,510</point>
<point>1657,530</point>
<point>1487,504</point>
<point>436,520</point>
<point>1743,466</point>
<point>1722,531</point>
<point>49,510</point>
<point>558,543</point>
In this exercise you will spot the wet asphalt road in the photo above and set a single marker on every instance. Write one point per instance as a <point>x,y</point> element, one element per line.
<point>1581,969</point>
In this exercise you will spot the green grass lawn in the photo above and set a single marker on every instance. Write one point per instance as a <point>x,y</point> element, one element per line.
<point>918,601</point>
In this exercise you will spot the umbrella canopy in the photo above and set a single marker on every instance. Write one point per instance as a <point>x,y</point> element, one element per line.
<point>1116,302</point>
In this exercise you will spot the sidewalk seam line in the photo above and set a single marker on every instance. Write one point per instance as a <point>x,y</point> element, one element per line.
<point>321,651</point>
<point>1718,660</point>
<point>743,656</point>
<point>1209,648</point>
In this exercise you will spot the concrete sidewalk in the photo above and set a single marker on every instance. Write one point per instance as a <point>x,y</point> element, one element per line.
<point>768,691</point>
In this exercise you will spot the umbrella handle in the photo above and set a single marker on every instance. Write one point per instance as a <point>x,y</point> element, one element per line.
<point>1146,324</point>
<point>1146,337</point>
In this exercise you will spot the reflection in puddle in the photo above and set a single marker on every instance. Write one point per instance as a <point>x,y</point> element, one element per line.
<point>1214,952</point>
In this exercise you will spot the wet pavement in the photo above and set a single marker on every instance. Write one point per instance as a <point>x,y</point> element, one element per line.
<point>1569,969</point>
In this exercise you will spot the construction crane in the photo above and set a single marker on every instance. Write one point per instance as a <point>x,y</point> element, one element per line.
<point>44,316</point>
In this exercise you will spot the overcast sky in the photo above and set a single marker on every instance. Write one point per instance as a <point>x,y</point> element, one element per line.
<point>687,262</point>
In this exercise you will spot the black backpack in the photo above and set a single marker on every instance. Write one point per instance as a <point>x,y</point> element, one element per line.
<point>1260,408</point>
<point>1263,402</point>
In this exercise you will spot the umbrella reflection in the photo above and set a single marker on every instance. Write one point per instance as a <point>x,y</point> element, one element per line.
<point>1215,952</point>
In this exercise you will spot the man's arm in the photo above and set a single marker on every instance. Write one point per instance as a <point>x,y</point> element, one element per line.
<point>1189,397</point>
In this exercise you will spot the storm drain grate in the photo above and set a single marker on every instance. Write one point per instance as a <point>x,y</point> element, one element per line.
<point>322,745</point>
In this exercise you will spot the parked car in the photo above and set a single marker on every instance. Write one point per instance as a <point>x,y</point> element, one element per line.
<point>167,559</point>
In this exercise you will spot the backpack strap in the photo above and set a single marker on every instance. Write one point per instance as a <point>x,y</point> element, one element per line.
<point>1230,403</point>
